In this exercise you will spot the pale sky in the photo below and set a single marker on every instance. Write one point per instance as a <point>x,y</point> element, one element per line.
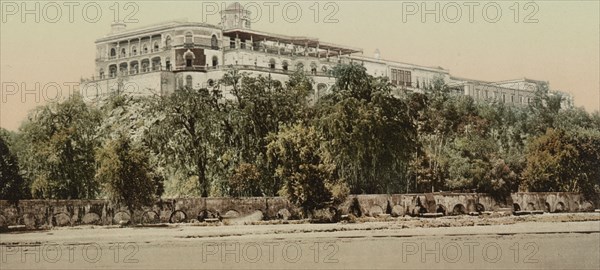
<point>560,43</point>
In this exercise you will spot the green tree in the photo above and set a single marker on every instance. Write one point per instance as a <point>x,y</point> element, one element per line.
<point>310,181</point>
<point>126,175</point>
<point>367,131</point>
<point>564,162</point>
<point>61,139</point>
<point>185,134</point>
<point>12,185</point>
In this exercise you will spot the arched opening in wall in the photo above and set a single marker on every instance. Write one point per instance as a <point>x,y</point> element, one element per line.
<point>133,50</point>
<point>188,81</point>
<point>272,63</point>
<point>211,82</point>
<point>155,47</point>
<point>168,63</point>
<point>145,48</point>
<point>459,209</point>
<point>101,73</point>
<point>150,217</point>
<point>61,219</point>
<point>324,69</point>
<point>284,65</point>
<point>156,64</point>
<point>122,217</point>
<point>375,211</point>
<point>123,68</point>
<point>516,207</point>
<point>189,38</point>
<point>284,214</point>
<point>560,207</point>
<point>313,68</point>
<point>441,209</point>
<point>91,219</point>
<point>215,61</point>
<point>113,52</point>
<point>134,67</point>
<point>145,65</point>
<point>530,207</point>
<point>547,208</point>
<point>300,66</point>
<point>479,207</point>
<point>168,42</point>
<point>123,52</point>
<point>112,71</point>
<point>214,43</point>
<point>189,58</point>
<point>178,217</point>
<point>231,214</point>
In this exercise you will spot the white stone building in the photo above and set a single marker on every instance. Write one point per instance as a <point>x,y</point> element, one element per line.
<point>157,59</point>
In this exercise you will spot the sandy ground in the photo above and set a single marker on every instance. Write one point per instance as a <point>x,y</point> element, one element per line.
<point>561,241</point>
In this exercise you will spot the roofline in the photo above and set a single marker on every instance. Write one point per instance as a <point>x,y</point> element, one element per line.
<point>298,39</point>
<point>153,28</point>
<point>386,61</point>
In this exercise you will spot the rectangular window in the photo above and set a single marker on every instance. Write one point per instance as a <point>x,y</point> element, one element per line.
<point>400,77</point>
<point>407,78</point>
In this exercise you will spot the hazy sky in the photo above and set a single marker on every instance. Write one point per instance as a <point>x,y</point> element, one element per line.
<point>555,41</point>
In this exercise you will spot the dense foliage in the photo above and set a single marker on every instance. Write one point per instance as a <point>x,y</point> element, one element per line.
<point>255,136</point>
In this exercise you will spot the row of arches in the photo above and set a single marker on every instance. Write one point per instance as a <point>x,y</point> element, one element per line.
<point>299,66</point>
<point>149,46</point>
<point>134,67</point>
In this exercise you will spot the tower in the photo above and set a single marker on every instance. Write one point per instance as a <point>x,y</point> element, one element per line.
<point>235,16</point>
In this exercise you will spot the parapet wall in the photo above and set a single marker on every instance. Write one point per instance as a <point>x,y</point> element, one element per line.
<point>43,213</point>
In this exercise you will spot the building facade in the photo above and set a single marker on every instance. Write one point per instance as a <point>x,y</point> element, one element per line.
<point>158,59</point>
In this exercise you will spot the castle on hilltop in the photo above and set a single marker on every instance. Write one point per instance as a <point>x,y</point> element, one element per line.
<point>158,59</point>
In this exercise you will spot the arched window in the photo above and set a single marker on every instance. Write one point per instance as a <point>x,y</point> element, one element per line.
<point>112,70</point>
<point>214,43</point>
<point>300,66</point>
<point>123,52</point>
<point>211,82</point>
<point>168,63</point>
<point>156,46</point>
<point>313,68</point>
<point>133,50</point>
<point>215,61</point>
<point>284,65</point>
<point>189,58</point>
<point>145,48</point>
<point>189,38</point>
<point>272,63</point>
<point>188,81</point>
<point>101,73</point>
<point>168,41</point>
<point>113,52</point>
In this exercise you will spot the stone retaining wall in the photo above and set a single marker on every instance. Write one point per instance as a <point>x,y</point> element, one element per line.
<point>40,213</point>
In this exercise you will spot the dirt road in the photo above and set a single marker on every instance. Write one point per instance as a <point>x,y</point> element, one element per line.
<point>373,245</point>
